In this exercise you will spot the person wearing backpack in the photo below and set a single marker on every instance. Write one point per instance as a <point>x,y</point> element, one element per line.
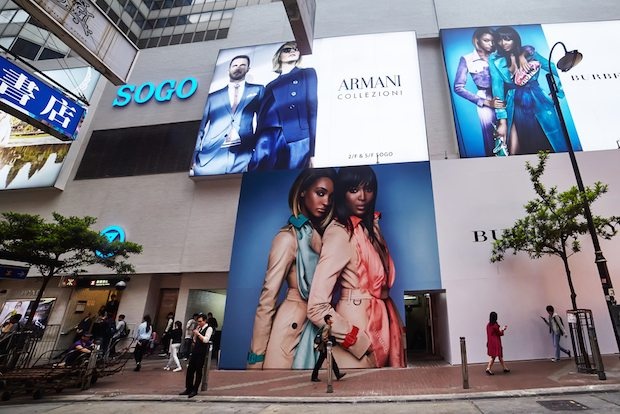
<point>557,330</point>
<point>120,332</point>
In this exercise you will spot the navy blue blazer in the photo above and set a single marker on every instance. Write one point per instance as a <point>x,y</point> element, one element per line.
<point>287,113</point>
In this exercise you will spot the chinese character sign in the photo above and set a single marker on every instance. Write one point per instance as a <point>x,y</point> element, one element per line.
<point>45,106</point>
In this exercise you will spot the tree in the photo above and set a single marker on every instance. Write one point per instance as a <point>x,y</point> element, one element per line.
<point>62,246</point>
<point>554,222</point>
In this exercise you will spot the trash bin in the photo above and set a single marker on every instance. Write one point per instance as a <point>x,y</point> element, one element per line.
<point>584,341</point>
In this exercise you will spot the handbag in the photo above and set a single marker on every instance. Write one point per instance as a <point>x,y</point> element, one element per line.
<point>521,77</point>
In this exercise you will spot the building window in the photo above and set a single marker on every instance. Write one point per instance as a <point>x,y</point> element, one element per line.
<point>187,38</point>
<point>222,34</point>
<point>131,9</point>
<point>25,48</point>
<point>176,39</point>
<point>50,54</point>
<point>153,149</point>
<point>123,27</point>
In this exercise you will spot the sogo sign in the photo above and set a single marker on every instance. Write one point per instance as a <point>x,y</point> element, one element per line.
<point>162,92</point>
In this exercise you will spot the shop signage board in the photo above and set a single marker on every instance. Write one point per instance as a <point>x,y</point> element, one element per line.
<point>29,98</point>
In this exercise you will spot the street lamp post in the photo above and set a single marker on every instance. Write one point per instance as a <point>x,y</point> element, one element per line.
<point>567,62</point>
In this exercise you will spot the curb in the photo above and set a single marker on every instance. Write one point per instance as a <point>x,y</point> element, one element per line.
<point>118,397</point>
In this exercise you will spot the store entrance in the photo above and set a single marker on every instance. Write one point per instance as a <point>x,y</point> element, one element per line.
<point>167,304</point>
<point>83,307</point>
<point>422,320</point>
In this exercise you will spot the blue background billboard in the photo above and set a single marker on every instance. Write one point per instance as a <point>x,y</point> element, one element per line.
<point>405,201</point>
<point>457,44</point>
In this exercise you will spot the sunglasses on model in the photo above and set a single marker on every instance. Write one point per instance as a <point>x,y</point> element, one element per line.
<point>290,49</point>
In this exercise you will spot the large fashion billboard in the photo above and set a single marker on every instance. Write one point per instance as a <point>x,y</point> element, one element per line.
<point>501,99</point>
<point>270,108</point>
<point>316,242</point>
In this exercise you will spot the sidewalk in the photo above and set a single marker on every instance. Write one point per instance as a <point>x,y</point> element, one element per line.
<point>437,382</point>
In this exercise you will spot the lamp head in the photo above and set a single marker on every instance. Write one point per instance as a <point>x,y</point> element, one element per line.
<point>569,60</point>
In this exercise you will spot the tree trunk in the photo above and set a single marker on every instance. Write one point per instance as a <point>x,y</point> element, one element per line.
<point>582,356</point>
<point>573,295</point>
<point>35,304</point>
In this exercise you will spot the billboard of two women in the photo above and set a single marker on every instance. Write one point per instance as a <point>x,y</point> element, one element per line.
<point>500,99</point>
<point>355,240</point>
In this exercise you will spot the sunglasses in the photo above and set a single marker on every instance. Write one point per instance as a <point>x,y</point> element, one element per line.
<point>290,49</point>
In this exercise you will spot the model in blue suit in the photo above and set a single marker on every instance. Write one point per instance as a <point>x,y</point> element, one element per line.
<point>226,135</point>
<point>286,128</point>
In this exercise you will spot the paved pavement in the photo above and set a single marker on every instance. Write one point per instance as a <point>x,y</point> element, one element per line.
<point>600,403</point>
<point>428,382</point>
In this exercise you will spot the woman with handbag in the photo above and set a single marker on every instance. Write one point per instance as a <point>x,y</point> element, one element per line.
<point>528,121</point>
<point>366,323</point>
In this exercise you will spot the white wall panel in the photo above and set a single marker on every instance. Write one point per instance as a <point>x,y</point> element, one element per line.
<point>485,194</point>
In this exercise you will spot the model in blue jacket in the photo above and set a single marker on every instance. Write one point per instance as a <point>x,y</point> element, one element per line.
<point>529,121</point>
<point>286,126</point>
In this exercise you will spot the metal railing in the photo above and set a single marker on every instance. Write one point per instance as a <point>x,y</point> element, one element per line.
<point>21,349</point>
<point>585,343</point>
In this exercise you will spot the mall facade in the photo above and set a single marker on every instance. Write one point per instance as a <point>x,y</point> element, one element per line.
<point>129,167</point>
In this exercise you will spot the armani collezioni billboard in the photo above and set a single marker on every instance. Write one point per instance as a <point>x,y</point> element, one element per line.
<point>349,103</point>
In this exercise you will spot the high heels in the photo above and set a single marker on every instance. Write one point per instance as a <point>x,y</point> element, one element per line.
<point>489,372</point>
<point>506,370</point>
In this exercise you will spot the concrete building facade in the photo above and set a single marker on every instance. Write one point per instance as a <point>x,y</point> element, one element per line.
<point>186,226</point>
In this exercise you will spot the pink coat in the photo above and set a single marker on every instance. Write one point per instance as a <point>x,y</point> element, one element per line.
<point>366,324</point>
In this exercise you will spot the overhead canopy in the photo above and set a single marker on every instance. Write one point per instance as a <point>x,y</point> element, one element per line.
<point>88,31</point>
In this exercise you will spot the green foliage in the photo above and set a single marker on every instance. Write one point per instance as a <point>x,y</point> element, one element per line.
<point>554,220</point>
<point>63,245</point>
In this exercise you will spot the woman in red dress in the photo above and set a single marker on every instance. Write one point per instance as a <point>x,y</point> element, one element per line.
<point>494,343</point>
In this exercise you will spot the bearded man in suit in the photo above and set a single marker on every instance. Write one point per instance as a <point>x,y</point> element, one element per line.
<point>226,135</point>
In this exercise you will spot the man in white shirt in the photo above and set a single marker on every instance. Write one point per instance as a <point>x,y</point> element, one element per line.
<point>202,336</point>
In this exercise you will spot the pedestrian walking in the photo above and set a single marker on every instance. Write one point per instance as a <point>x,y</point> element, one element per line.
<point>120,332</point>
<point>557,331</point>
<point>143,338</point>
<point>212,321</point>
<point>323,337</point>
<point>175,345</point>
<point>202,336</point>
<point>165,337</point>
<point>189,336</point>
<point>494,343</point>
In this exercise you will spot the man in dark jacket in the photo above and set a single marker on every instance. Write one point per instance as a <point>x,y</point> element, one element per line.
<point>326,335</point>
